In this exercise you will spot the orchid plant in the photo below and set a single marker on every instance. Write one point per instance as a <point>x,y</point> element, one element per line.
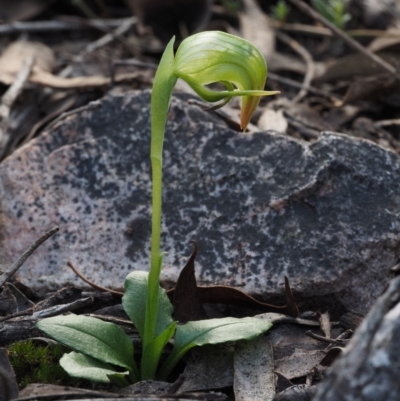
<point>102,351</point>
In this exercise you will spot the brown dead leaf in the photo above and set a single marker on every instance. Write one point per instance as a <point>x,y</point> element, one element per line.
<point>255,28</point>
<point>15,55</point>
<point>356,65</point>
<point>220,294</point>
<point>209,368</point>
<point>254,378</point>
<point>286,62</point>
<point>325,322</point>
<point>331,355</point>
<point>186,300</point>
<point>388,43</point>
<point>299,364</point>
<point>94,81</point>
<point>370,87</point>
<point>302,114</point>
<point>350,320</point>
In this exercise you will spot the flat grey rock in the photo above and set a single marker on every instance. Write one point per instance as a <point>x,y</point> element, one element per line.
<point>260,205</point>
<point>369,367</point>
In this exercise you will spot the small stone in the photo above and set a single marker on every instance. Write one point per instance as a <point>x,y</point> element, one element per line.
<point>261,206</point>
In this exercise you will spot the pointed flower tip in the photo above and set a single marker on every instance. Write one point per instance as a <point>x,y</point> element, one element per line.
<point>249,106</point>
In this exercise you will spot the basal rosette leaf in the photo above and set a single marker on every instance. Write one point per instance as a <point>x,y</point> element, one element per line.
<point>212,331</point>
<point>85,367</point>
<point>103,341</point>
<point>135,305</point>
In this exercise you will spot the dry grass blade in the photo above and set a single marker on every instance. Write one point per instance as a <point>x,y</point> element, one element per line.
<point>95,286</point>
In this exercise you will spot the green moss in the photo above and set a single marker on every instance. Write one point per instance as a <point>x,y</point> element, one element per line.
<point>38,363</point>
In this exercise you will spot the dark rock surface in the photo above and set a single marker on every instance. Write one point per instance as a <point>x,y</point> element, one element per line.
<point>369,367</point>
<point>260,205</point>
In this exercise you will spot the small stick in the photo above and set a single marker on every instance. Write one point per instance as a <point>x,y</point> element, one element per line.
<point>109,37</point>
<point>335,341</point>
<point>321,31</point>
<point>291,82</point>
<point>14,268</point>
<point>95,286</point>
<point>342,337</point>
<point>65,24</point>
<point>338,32</point>
<point>385,123</point>
<point>305,54</point>
<point>300,28</point>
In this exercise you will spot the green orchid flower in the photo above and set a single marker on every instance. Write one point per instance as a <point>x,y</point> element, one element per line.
<point>102,351</point>
<point>210,57</point>
<point>201,59</point>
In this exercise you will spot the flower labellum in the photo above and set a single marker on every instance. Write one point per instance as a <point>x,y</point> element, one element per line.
<point>210,57</point>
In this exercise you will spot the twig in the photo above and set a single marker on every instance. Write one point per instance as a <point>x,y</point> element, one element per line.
<point>295,84</point>
<point>64,24</point>
<point>306,132</point>
<point>118,34</point>
<point>305,54</point>
<point>335,341</point>
<point>109,37</point>
<point>338,32</point>
<point>124,27</point>
<point>300,28</point>
<point>14,268</point>
<point>131,62</point>
<point>85,9</point>
<point>341,337</point>
<point>386,123</point>
<point>60,309</point>
<point>95,286</point>
<point>112,319</point>
<point>321,31</point>
<point>230,122</point>
<point>374,33</point>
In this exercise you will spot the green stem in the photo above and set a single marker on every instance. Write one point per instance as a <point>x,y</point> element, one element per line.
<point>163,85</point>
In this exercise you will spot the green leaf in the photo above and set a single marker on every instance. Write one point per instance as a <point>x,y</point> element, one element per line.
<point>213,331</point>
<point>134,302</point>
<point>101,340</point>
<point>86,367</point>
